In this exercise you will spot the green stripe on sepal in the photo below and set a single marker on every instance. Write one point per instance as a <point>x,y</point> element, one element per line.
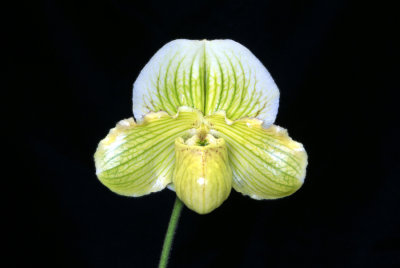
<point>217,75</point>
<point>172,78</point>
<point>266,163</point>
<point>137,159</point>
<point>202,176</point>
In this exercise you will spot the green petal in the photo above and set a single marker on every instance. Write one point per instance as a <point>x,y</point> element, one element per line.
<point>137,159</point>
<point>218,75</point>
<point>202,176</point>
<point>266,163</point>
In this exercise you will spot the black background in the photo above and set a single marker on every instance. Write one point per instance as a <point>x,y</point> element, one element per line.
<point>73,69</point>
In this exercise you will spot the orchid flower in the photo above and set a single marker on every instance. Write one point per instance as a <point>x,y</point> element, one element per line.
<point>204,124</point>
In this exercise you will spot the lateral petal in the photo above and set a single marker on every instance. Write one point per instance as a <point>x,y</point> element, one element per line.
<point>137,159</point>
<point>266,162</point>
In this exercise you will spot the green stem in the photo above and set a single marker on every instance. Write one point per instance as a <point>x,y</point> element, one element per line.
<point>173,222</point>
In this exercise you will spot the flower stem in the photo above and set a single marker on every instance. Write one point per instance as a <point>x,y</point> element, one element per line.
<point>173,222</point>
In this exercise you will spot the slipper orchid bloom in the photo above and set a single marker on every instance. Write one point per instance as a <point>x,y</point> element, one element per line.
<point>204,123</point>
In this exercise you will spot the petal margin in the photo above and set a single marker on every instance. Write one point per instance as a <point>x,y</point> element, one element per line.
<point>217,75</point>
<point>266,162</point>
<point>138,159</point>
